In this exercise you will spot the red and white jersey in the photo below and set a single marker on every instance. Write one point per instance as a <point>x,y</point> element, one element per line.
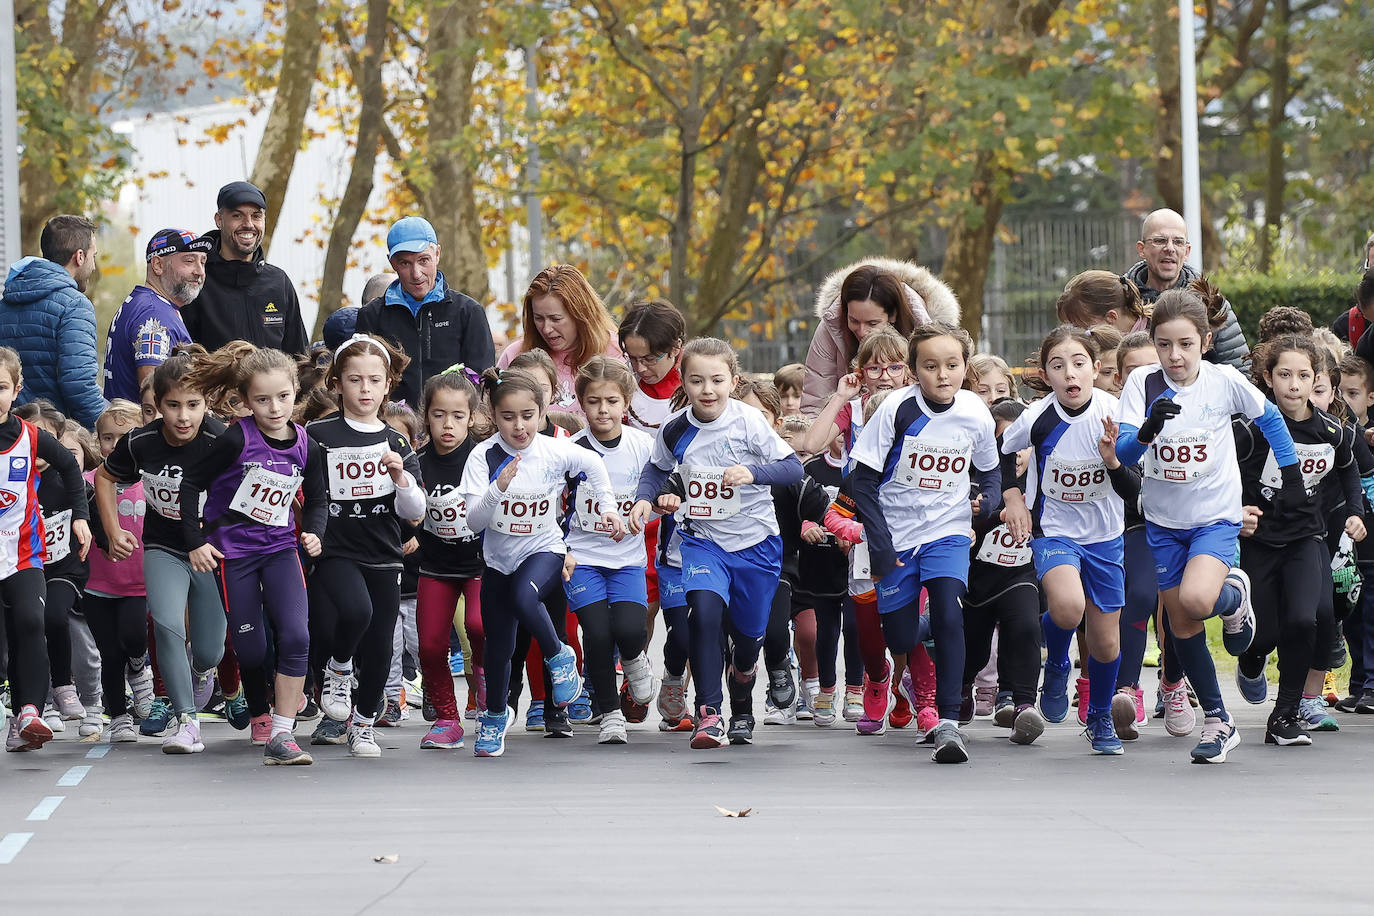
<point>21,522</point>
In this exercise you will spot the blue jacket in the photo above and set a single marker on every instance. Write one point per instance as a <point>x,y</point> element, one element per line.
<point>52,327</point>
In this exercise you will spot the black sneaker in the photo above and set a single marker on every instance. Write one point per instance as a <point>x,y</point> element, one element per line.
<point>556,724</point>
<point>741,695</point>
<point>310,712</point>
<point>329,731</point>
<point>781,691</point>
<point>741,729</point>
<point>1348,704</point>
<point>1285,730</point>
<point>428,711</point>
<point>1365,705</point>
<point>966,705</point>
<point>1338,654</point>
<point>391,715</point>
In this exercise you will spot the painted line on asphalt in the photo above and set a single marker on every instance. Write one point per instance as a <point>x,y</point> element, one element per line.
<point>73,776</point>
<point>44,809</point>
<point>11,844</point>
<point>96,753</point>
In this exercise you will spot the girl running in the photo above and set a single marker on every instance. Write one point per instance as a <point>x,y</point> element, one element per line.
<point>1177,417</point>
<point>911,487</point>
<point>512,485</point>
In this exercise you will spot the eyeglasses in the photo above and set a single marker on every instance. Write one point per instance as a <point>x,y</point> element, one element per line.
<point>1159,241</point>
<point>877,372</point>
<point>653,359</point>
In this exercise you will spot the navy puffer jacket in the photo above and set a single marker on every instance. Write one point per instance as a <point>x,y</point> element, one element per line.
<point>52,326</point>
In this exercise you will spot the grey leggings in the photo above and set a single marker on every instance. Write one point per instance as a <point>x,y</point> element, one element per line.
<point>176,594</point>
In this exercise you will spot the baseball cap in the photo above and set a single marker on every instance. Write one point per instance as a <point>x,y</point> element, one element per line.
<point>175,241</point>
<point>239,192</point>
<point>340,326</point>
<point>412,233</point>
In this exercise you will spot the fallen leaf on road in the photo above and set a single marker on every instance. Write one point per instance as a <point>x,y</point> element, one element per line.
<point>391,859</point>
<point>743,812</point>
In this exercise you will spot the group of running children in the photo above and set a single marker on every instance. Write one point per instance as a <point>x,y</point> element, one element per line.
<point>936,510</point>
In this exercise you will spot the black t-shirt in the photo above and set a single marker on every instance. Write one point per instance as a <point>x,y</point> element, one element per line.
<point>987,581</point>
<point>823,568</point>
<point>52,500</point>
<point>144,454</point>
<point>446,557</point>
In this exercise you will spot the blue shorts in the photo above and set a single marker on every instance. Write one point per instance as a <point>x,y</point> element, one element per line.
<point>1100,566</point>
<point>1173,548</point>
<point>946,558</point>
<point>590,584</point>
<point>671,595</point>
<point>744,579</point>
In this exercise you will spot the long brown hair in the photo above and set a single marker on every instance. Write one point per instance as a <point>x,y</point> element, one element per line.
<point>231,368</point>
<point>869,283</point>
<point>594,327</point>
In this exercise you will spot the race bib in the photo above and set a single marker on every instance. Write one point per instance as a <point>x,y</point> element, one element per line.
<point>265,496</point>
<point>1076,481</point>
<point>525,514</point>
<point>588,519</point>
<point>928,464</point>
<point>357,473</point>
<point>1182,457</point>
<point>860,566</point>
<point>999,548</point>
<point>1314,461</point>
<point>163,493</point>
<point>708,498</point>
<point>57,536</point>
<point>446,516</point>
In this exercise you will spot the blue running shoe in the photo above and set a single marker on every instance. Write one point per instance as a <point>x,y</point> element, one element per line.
<point>534,717</point>
<point>1219,738</point>
<point>1255,690</point>
<point>161,721</point>
<point>1312,710</point>
<point>1102,735</point>
<point>1238,627</point>
<point>567,683</point>
<point>236,710</point>
<point>1054,693</point>
<point>491,734</point>
<point>580,709</point>
<point>455,664</point>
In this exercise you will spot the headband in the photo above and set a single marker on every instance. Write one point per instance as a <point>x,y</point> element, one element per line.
<point>363,338</point>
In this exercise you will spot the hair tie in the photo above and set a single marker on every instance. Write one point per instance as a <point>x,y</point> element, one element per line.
<point>363,338</point>
<point>467,373</point>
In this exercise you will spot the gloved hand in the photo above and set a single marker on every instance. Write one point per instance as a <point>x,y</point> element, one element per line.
<point>1161,411</point>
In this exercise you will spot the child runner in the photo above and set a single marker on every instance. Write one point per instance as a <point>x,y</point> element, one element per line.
<point>882,366</point>
<point>1192,493</point>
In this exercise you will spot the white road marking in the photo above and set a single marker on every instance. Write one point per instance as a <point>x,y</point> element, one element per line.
<point>44,809</point>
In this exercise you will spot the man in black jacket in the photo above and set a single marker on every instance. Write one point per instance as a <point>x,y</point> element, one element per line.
<point>244,298</point>
<point>435,325</point>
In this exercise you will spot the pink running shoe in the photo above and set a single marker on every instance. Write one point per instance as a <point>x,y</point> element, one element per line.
<point>444,734</point>
<point>32,728</point>
<point>1083,701</point>
<point>878,698</point>
<point>926,720</point>
<point>260,729</point>
<point>1140,717</point>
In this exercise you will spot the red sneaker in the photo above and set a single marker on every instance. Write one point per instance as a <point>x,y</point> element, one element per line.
<point>901,714</point>
<point>878,696</point>
<point>1082,703</point>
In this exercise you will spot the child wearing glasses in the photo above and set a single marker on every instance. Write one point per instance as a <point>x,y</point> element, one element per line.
<point>881,362</point>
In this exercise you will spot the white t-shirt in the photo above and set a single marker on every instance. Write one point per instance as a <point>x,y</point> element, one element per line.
<point>1070,496</point>
<point>624,463</point>
<point>1191,476</point>
<point>924,457</point>
<point>732,518</point>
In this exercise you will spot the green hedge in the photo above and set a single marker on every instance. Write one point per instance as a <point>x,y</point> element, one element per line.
<point>1321,295</point>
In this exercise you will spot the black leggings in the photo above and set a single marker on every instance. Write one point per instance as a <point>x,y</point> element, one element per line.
<point>357,618</point>
<point>605,628</point>
<point>1017,611</point>
<point>777,639</point>
<point>120,628</point>
<point>23,594</point>
<point>1286,584</point>
<point>902,630</point>
<point>522,598</point>
<point>676,640</point>
<point>62,597</point>
<point>833,616</point>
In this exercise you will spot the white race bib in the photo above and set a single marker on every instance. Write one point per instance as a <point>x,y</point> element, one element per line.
<point>525,513</point>
<point>446,516</point>
<point>999,548</point>
<point>860,566</point>
<point>357,473</point>
<point>57,536</point>
<point>163,493</point>
<point>265,496</point>
<point>708,498</point>
<point>1314,461</point>
<point>588,519</point>
<point>1182,457</point>
<point>928,464</point>
<point>1076,481</point>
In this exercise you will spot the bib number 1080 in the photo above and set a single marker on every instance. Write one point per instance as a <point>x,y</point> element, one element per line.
<point>940,464</point>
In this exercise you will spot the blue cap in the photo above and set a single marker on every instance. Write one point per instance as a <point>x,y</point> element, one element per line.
<point>340,326</point>
<point>413,233</point>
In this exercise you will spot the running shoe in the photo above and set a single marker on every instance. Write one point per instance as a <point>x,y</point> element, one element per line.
<point>926,720</point>
<point>1004,714</point>
<point>1254,690</point>
<point>32,728</point>
<point>455,664</point>
<point>1219,738</point>
<point>1101,735</point>
<point>1238,627</point>
<point>53,719</point>
<point>1329,691</point>
<point>15,744</point>
<point>1151,658</point>
<point>902,710</point>
<point>1081,700</point>
<point>557,724</point>
<point>161,720</point>
<point>774,716</point>
<point>741,729</point>
<point>871,727</point>
<point>202,687</point>
<point>878,698</point>
<point>966,704</point>
<point>534,717</point>
<point>782,692</point>
<point>283,751</point>
<point>1365,705</point>
<point>580,709</point>
<point>1179,718</point>
<point>391,715</point>
<point>984,700</point>
<point>1312,710</point>
<point>310,711</point>
<point>122,730</point>
<point>639,676</point>
<point>806,699</point>
<point>633,712</point>
<point>612,729</point>
<point>236,711</point>
<point>427,710</point>
<point>329,731</point>
<point>444,734</point>
<point>1027,725</point>
<point>685,724</point>
<point>186,739</point>
<point>672,698</point>
<point>491,734</point>
<point>823,711</point>
<point>336,693</point>
<point>1159,702</point>
<point>710,730</point>
<point>260,729</point>
<point>1123,714</point>
<point>1138,695</point>
<point>141,685</point>
<point>92,723</point>
<point>1347,704</point>
<point>1054,692</point>
<point>1286,730</point>
<point>362,740</point>
<point>949,744</point>
<point>567,682</point>
<point>853,703</point>
<point>68,703</point>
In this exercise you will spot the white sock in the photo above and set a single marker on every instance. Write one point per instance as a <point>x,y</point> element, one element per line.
<point>341,668</point>
<point>282,725</point>
<point>359,719</point>
<point>949,722</point>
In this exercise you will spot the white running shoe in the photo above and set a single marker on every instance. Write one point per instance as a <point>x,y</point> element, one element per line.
<point>362,741</point>
<point>639,674</point>
<point>68,703</point>
<point>672,698</point>
<point>53,719</point>
<point>1179,718</point>
<point>336,694</point>
<point>122,730</point>
<point>613,729</point>
<point>93,722</point>
<point>141,686</point>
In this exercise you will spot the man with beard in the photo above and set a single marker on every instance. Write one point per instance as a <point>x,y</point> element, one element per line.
<point>244,298</point>
<point>148,324</point>
<point>48,320</point>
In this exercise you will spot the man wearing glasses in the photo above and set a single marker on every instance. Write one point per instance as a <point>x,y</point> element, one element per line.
<point>1163,249</point>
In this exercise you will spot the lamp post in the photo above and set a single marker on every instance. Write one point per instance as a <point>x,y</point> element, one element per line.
<point>1187,109</point>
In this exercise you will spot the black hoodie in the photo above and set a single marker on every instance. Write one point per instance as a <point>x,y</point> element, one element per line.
<point>246,300</point>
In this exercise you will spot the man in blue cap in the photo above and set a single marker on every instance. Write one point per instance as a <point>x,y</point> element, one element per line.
<point>434,324</point>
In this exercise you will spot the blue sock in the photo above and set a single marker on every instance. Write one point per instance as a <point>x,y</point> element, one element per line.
<point>1202,673</point>
<point>1101,683</point>
<point>1132,654</point>
<point>1057,641</point>
<point>1227,601</point>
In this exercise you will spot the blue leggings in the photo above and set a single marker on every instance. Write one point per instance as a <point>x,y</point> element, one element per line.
<point>902,629</point>
<point>710,624</point>
<point>511,601</point>
<point>1142,599</point>
<point>676,640</point>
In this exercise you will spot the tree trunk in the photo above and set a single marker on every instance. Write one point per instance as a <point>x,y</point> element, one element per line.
<point>970,245</point>
<point>1276,180</point>
<point>359,186</point>
<point>281,138</point>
